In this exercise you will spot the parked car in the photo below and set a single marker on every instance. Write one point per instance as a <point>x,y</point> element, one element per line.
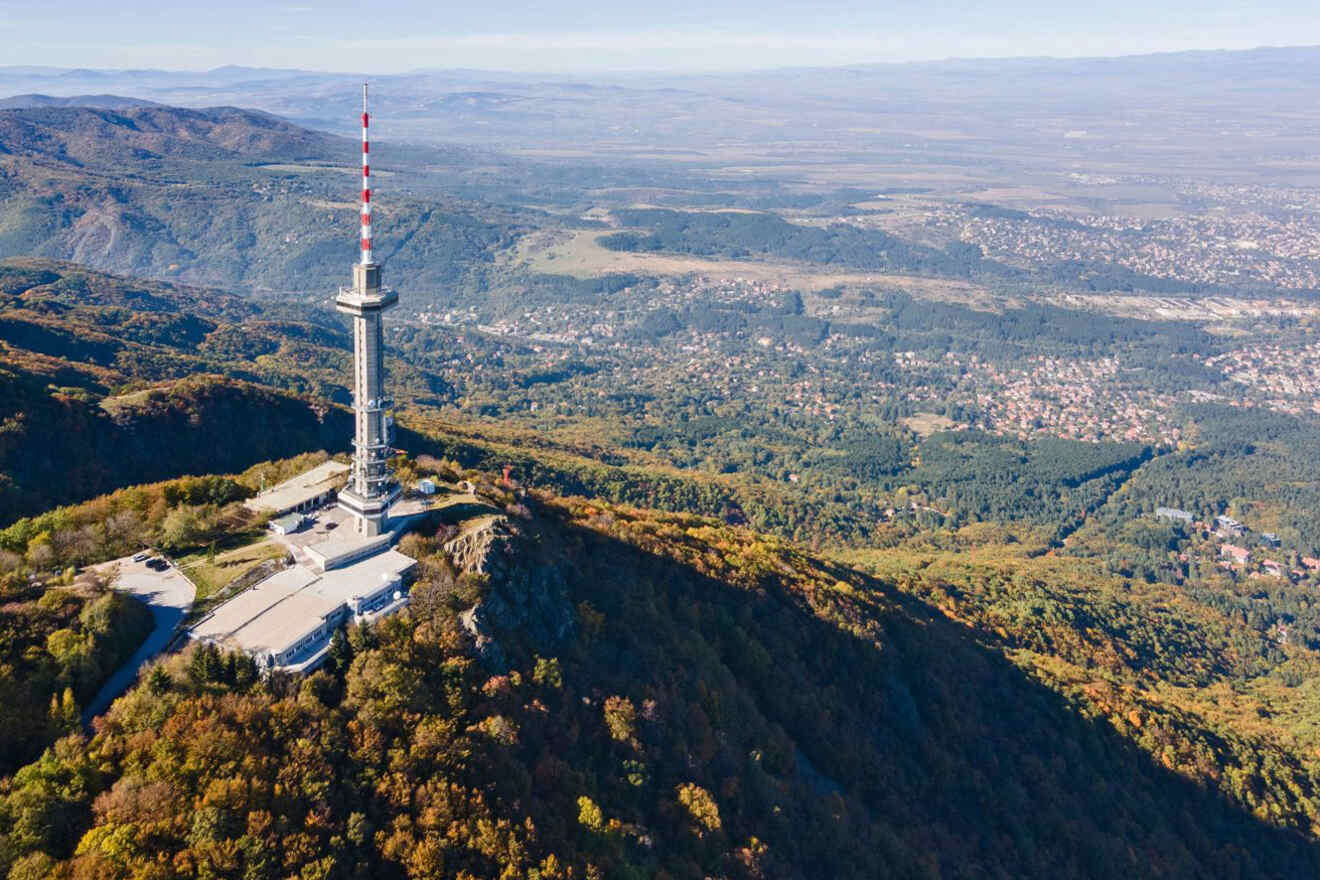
<point>139,557</point>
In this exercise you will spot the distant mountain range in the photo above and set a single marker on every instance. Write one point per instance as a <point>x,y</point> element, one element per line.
<point>103,102</point>
<point>1238,103</point>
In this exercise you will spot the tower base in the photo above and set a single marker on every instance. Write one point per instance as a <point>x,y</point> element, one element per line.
<point>371,516</point>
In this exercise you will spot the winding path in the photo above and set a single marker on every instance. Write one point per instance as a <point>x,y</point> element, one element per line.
<point>170,596</point>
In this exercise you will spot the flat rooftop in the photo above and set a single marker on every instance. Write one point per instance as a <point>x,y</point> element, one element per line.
<point>282,609</point>
<point>231,617</point>
<point>362,577</point>
<point>344,542</point>
<point>298,490</point>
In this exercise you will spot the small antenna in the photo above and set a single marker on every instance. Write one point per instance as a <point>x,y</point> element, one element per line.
<point>368,257</point>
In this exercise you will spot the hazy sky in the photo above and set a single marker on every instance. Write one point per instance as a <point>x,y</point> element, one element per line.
<point>586,35</point>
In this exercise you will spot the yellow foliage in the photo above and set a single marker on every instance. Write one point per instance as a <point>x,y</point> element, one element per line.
<point>700,806</point>
<point>590,815</point>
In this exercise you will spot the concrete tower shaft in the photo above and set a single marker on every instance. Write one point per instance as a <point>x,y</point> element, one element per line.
<point>371,488</point>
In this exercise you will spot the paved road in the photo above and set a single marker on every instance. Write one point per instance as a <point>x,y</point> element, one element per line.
<point>170,596</point>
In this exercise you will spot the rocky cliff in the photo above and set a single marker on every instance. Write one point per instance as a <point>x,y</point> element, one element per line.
<point>525,595</point>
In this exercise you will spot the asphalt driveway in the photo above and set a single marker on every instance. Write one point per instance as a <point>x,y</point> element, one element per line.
<point>170,596</point>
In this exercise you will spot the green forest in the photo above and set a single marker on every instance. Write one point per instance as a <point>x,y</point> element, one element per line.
<point>744,234</point>
<point>57,645</point>
<point>724,705</point>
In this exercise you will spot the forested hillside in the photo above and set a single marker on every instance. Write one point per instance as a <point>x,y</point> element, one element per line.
<point>103,372</point>
<point>108,382</point>
<point>1000,714</point>
<point>221,196</point>
<point>102,137</point>
<point>57,646</point>
<point>1001,663</point>
<point>722,705</point>
<point>62,447</point>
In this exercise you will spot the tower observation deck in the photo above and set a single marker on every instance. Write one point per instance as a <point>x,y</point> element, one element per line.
<point>371,487</point>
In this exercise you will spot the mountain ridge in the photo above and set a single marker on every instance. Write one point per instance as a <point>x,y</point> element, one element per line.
<point>1301,49</point>
<point>107,102</point>
<point>219,196</point>
<point>112,133</point>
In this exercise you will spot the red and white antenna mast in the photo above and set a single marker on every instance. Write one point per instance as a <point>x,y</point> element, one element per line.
<point>371,488</point>
<point>367,257</point>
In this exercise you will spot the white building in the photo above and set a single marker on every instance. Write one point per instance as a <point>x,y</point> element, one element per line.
<point>287,620</point>
<point>288,524</point>
<point>307,491</point>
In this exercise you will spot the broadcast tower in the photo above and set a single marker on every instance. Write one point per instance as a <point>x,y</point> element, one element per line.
<point>371,487</point>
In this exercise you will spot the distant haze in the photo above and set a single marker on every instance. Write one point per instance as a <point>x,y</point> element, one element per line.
<point>591,35</point>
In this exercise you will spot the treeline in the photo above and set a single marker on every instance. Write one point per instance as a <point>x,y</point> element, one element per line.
<point>740,235</point>
<point>64,447</point>
<point>174,515</point>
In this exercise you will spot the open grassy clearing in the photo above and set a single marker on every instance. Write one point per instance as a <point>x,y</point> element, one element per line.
<point>923,424</point>
<point>210,575</point>
<point>579,254</point>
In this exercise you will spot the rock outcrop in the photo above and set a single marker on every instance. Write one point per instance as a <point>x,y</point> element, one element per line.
<point>526,596</point>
